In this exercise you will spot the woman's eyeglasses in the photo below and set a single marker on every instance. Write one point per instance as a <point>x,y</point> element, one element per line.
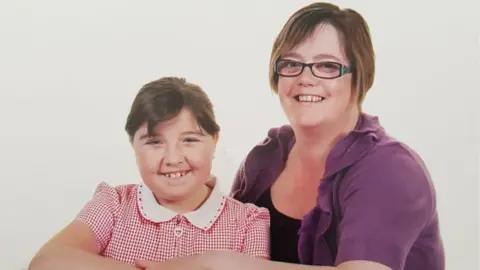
<point>323,70</point>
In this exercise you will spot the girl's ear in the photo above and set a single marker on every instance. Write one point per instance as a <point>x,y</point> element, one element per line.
<point>216,137</point>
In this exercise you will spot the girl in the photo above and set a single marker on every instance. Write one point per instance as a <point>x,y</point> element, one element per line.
<point>178,210</point>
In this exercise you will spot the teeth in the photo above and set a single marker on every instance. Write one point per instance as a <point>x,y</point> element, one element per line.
<point>175,174</point>
<point>309,98</point>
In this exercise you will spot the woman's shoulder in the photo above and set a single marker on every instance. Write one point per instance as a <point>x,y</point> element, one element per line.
<point>276,136</point>
<point>268,155</point>
<point>376,152</point>
<point>392,152</point>
<point>277,141</point>
<point>393,166</point>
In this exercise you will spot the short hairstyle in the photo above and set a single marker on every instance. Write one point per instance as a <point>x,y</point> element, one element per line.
<point>163,99</point>
<point>353,30</point>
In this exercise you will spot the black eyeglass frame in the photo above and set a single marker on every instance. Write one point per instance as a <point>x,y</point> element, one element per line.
<point>344,69</point>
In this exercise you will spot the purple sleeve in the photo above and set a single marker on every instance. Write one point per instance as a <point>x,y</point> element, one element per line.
<point>238,183</point>
<point>386,201</point>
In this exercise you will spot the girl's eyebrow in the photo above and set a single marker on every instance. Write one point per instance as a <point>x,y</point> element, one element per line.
<point>192,132</point>
<point>147,136</point>
<point>185,133</point>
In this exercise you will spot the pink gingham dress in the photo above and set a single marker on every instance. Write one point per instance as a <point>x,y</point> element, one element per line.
<point>130,225</point>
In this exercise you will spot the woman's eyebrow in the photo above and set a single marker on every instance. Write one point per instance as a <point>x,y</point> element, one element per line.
<point>317,57</point>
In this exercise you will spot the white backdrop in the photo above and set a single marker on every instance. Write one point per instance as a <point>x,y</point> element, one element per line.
<point>69,71</point>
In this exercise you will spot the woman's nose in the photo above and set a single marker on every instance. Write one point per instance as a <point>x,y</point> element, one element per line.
<point>306,78</point>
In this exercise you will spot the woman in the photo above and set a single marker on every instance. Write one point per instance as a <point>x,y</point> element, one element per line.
<point>342,193</point>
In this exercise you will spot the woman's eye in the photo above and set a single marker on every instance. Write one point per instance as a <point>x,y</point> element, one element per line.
<point>292,64</point>
<point>329,65</point>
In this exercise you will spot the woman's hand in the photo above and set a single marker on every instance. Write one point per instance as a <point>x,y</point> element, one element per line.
<point>212,260</point>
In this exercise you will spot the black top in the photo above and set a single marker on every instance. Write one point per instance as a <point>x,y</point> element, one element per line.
<point>283,232</point>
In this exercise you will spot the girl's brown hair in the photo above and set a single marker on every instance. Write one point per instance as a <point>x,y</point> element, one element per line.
<point>163,99</point>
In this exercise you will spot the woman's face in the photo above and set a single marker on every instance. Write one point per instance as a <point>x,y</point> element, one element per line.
<point>309,101</point>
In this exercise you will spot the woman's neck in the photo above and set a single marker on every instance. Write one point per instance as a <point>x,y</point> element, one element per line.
<point>313,145</point>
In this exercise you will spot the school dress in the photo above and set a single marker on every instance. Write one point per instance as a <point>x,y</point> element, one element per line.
<point>130,225</point>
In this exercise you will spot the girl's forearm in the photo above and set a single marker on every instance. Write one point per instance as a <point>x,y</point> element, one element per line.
<point>62,258</point>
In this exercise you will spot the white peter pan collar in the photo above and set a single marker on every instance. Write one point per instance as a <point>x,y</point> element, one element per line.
<point>203,217</point>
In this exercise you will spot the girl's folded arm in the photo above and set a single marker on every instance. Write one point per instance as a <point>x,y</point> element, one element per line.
<point>75,247</point>
<point>79,244</point>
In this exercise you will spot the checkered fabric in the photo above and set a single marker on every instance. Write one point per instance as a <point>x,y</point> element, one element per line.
<point>128,225</point>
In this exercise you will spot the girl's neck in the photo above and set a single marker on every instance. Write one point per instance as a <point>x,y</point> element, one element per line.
<point>192,203</point>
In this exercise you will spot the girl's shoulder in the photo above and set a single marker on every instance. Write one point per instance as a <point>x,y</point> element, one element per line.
<point>245,215</point>
<point>115,194</point>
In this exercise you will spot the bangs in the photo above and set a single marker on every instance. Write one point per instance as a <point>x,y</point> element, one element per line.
<point>301,30</point>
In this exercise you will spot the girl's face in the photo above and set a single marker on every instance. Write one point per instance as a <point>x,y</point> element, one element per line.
<point>176,161</point>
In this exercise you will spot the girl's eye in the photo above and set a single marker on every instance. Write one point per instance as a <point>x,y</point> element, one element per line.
<point>153,142</point>
<point>190,140</point>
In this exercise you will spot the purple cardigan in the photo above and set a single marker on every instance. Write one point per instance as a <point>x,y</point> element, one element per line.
<point>376,192</point>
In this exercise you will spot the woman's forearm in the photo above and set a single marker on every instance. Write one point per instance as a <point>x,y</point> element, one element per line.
<point>237,261</point>
<point>74,259</point>
<point>258,264</point>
